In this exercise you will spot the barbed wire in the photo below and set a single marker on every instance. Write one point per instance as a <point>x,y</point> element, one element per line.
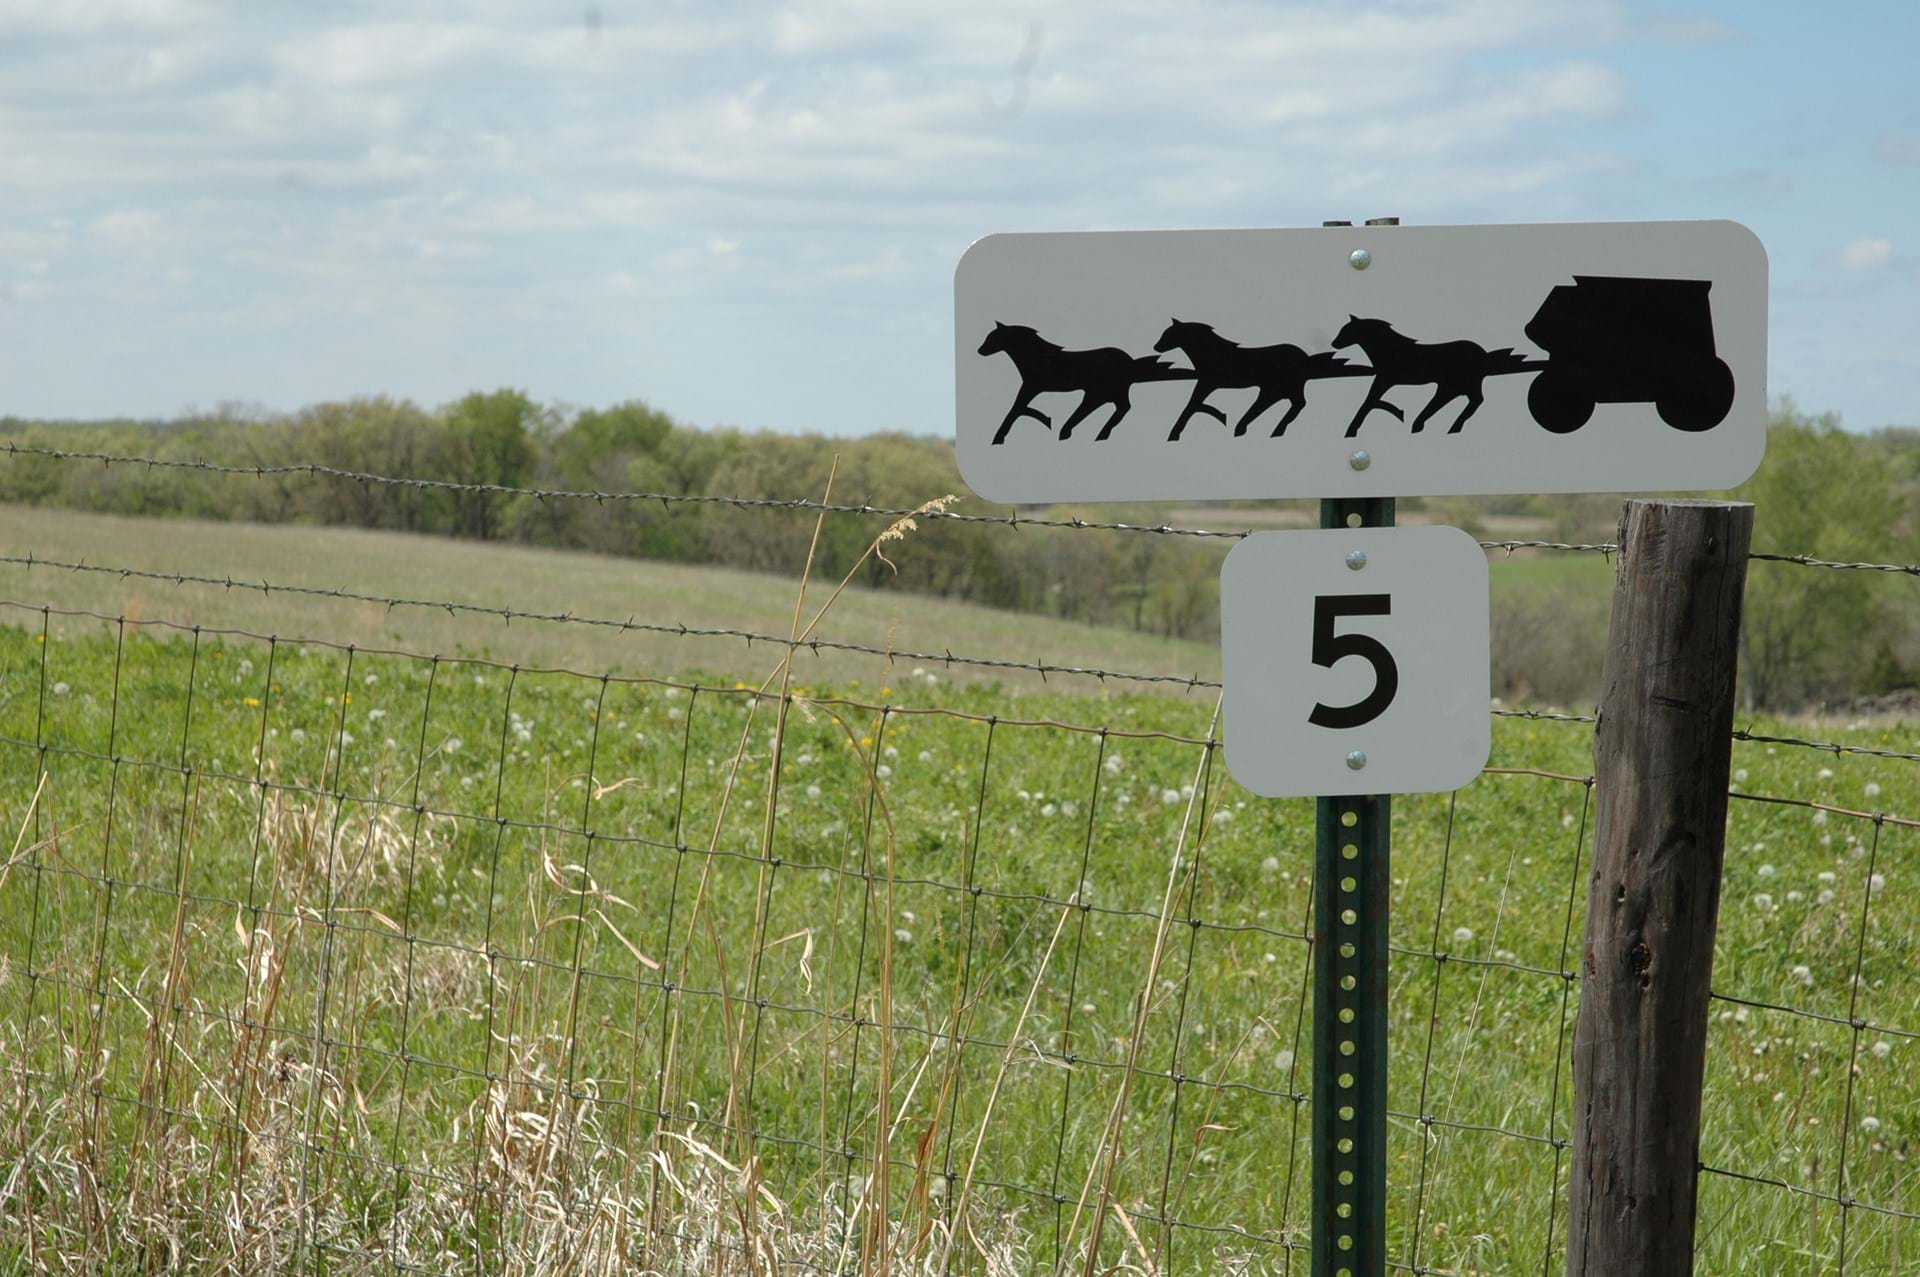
<point>949,658</point>
<point>509,614</point>
<point>669,499</point>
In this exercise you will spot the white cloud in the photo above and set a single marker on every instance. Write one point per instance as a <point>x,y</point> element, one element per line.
<point>126,227</point>
<point>1866,254</point>
<point>671,172</point>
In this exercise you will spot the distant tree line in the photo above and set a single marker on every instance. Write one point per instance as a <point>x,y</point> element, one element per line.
<point>1161,585</point>
<point>1811,636</point>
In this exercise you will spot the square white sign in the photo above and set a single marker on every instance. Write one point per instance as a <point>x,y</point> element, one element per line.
<point>1356,661</point>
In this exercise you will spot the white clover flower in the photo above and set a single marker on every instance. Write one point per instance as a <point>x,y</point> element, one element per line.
<point>1877,882</point>
<point>1802,973</point>
<point>1819,817</point>
<point>813,791</point>
<point>1273,957</point>
<point>883,771</point>
<point>1740,1015</point>
<point>1873,789</point>
<point>1169,796</point>
<point>1048,810</point>
<point>1086,1008</point>
<point>1869,1124</point>
<point>926,755</point>
<point>1882,1049</point>
<point>1223,817</point>
<point>1123,801</point>
<point>346,738</point>
<point>375,715</point>
<point>1825,898</point>
<point>1113,764</point>
<point>61,689</point>
<point>1283,1061</point>
<point>908,915</point>
<point>674,711</point>
<point>246,666</point>
<point>673,693</point>
<point>298,734</point>
<point>1762,901</point>
<point>1741,775</point>
<point>524,736</point>
<point>371,680</point>
<point>1766,871</point>
<point>1463,935</point>
<point>1795,897</point>
<point>453,744</point>
<point>1024,796</point>
<point>891,751</point>
<point>1825,773</point>
<point>1271,864</point>
<point>1827,877</point>
<point>903,935</point>
<point>1068,807</point>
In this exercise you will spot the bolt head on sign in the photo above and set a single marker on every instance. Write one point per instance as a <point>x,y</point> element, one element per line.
<point>1355,680</point>
<point>1179,365</point>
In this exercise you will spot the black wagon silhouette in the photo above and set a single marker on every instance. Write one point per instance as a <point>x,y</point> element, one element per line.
<point>1622,339</point>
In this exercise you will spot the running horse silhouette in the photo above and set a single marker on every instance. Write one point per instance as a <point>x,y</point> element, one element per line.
<point>1453,368</point>
<point>1104,376</point>
<point>1274,372</point>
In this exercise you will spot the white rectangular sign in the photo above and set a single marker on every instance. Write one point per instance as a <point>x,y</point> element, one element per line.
<point>1355,661</point>
<point>1361,361</point>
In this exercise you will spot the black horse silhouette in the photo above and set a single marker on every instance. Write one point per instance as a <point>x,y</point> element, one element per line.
<point>1453,368</point>
<point>1104,376</point>
<point>1275,372</point>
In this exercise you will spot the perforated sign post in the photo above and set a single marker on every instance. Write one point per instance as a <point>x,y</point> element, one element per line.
<point>1358,364</point>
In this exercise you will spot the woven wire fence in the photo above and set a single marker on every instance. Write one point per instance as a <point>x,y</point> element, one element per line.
<point>322,956</point>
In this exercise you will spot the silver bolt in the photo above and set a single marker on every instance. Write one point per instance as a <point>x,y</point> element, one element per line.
<point>1360,259</point>
<point>1356,559</point>
<point>1357,759</point>
<point>1360,460</point>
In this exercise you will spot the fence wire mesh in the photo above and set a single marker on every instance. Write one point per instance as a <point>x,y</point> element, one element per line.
<point>328,956</point>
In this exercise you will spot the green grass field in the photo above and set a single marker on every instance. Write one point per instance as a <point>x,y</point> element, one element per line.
<point>494,927</point>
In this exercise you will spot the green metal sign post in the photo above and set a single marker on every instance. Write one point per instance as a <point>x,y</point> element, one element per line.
<point>1352,875</point>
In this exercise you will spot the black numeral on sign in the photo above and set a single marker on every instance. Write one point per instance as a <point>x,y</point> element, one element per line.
<point>1329,647</point>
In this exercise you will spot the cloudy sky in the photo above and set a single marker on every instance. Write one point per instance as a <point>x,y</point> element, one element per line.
<point>749,213</point>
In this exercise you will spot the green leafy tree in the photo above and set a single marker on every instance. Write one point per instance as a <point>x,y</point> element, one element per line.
<point>490,441</point>
<point>1810,633</point>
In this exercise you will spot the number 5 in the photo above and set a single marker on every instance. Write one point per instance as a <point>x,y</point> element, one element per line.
<point>1329,648</point>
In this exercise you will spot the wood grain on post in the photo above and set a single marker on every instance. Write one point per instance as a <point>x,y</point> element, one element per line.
<point>1661,755</point>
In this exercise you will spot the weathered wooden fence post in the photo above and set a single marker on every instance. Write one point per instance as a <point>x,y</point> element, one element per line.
<point>1661,755</point>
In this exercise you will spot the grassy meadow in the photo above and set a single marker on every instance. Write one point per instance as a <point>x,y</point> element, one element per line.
<point>353,957</point>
